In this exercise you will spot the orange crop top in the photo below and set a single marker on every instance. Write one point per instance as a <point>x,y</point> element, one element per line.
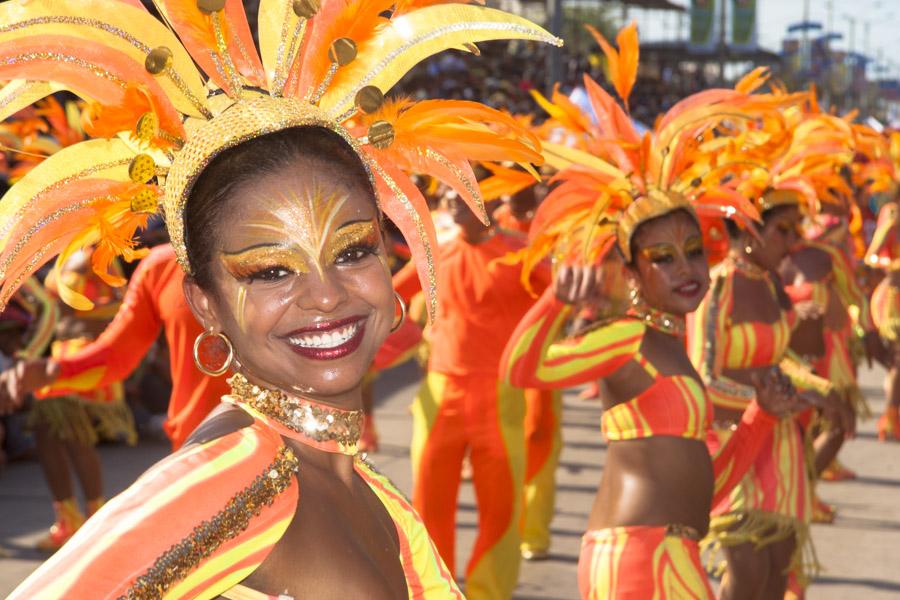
<point>673,405</point>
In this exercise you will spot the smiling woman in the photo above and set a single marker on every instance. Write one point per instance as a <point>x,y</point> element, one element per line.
<point>272,171</point>
<point>289,262</point>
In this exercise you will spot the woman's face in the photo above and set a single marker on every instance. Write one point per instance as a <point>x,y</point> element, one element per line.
<point>777,237</point>
<point>670,267</point>
<point>302,286</point>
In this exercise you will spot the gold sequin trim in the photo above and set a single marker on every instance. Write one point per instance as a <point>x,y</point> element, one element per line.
<point>179,560</point>
<point>9,98</point>
<point>317,422</point>
<point>420,230</point>
<point>66,58</point>
<point>222,46</point>
<point>473,191</point>
<point>284,59</point>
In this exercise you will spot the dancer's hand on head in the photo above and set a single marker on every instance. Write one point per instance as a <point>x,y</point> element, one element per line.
<point>576,283</point>
<point>776,394</point>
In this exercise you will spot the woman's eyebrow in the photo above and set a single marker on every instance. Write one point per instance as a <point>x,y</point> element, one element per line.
<point>253,247</point>
<point>354,222</point>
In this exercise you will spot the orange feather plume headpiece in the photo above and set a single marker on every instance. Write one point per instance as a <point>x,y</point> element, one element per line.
<point>158,120</point>
<point>801,162</point>
<point>612,179</point>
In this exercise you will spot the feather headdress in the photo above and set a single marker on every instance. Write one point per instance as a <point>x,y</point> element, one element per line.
<point>802,163</point>
<point>611,179</point>
<point>158,119</point>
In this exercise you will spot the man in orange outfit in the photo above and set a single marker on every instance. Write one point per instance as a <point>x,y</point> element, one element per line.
<point>543,408</point>
<point>154,300</point>
<point>462,403</point>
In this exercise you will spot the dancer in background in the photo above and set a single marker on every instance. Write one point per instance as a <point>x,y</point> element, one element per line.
<point>877,174</point>
<point>68,425</point>
<point>521,194</point>
<point>763,525</point>
<point>462,406</point>
<point>154,301</point>
<point>652,505</point>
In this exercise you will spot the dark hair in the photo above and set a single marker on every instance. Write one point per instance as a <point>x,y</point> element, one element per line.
<point>634,234</point>
<point>212,191</point>
<point>734,231</point>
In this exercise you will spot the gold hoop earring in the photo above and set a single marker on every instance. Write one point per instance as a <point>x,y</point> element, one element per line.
<point>397,324</point>
<point>748,249</point>
<point>229,359</point>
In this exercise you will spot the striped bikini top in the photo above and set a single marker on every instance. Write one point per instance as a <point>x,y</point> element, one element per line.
<point>539,355</point>
<point>674,405</point>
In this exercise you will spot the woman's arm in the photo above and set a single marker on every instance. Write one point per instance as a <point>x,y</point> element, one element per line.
<point>732,459</point>
<point>535,357</point>
<point>193,525</point>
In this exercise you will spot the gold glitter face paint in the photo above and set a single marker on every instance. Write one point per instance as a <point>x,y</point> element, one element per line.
<point>667,252</point>
<point>241,306</point>
<point>349,236</point>
<point>304,225</point>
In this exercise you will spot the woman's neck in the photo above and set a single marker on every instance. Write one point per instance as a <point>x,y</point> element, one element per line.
<point>325,436</point>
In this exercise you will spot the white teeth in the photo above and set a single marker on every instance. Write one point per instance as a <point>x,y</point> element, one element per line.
<point>331,339</point>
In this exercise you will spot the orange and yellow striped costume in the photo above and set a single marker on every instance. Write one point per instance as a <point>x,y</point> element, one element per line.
<point>202,520</point>
<point>672,406</point>
<point>640,563</point>
<point>836,364</point>
<point>773,500</point>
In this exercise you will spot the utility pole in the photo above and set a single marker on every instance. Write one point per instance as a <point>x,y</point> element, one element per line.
<point>723,48</point>
<point>554,57</point>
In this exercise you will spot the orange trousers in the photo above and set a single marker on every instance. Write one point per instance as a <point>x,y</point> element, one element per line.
<point>453,414</point>
<point>543,442</point>
<point>640,563</point>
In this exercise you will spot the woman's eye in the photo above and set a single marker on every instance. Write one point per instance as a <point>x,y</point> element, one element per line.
<point>353,254</point>
<point>695,252</point>
<point>270,274</point>
<point>662,260</point>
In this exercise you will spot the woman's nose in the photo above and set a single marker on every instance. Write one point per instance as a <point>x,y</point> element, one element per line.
<point>321,291</point>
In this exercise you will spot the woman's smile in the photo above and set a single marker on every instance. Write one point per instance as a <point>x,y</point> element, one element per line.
<point>328,340</point>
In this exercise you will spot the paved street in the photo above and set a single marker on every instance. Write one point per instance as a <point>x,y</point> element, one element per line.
<point>860,552</point>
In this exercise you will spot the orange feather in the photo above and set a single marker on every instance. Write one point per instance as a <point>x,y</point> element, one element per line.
<point>623,64</point>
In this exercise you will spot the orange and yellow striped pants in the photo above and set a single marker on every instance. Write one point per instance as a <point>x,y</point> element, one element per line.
<point>543,442</point>
<point>453,414</point>
<point>640,563</point>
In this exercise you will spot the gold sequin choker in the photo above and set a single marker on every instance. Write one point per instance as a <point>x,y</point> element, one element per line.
<point>660,320</point>
<point>322,427</point>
